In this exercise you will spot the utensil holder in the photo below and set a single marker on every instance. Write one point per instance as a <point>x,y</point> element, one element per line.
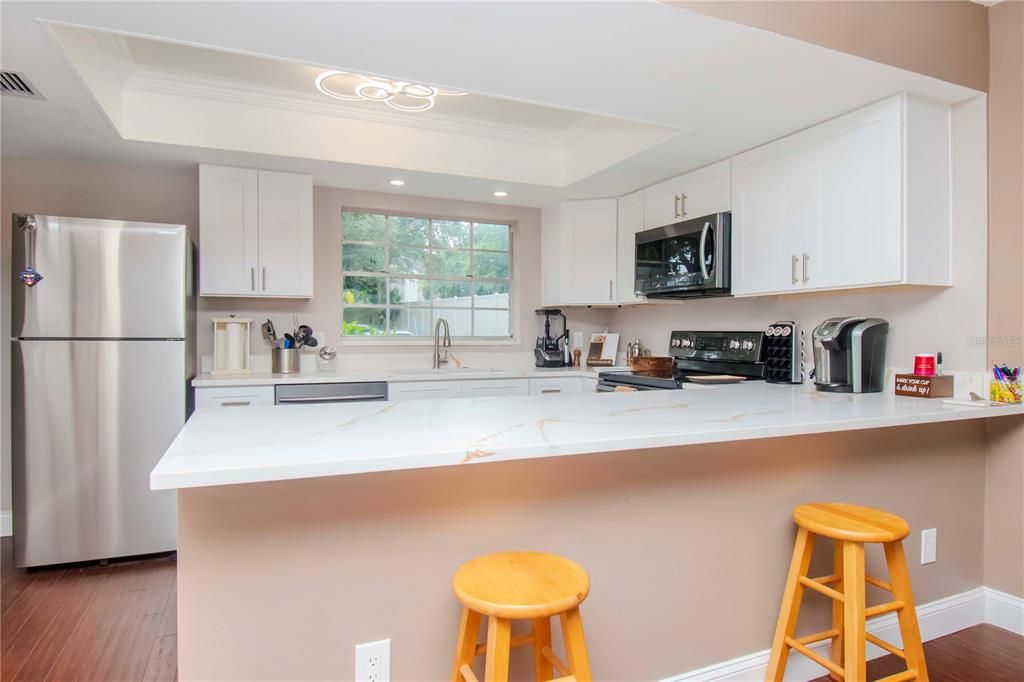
<point>284,360</point>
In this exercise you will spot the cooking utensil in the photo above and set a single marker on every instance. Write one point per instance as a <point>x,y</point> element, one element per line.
<point>289,341</point>
<point>269,333</point>
<point>302,335</point>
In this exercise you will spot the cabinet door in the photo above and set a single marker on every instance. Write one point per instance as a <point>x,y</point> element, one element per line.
<point>234,396</point>
<point>424,390</point>
<point>765,233</point>
<point>485,388</point>
<point>705,191</point>
<point>591,256</point>
<point>285,234</point>
<point>556,386</point>
<point>630,221</point>
<point>228,231</point>
<point>856,236</point>
<point>662,203</point>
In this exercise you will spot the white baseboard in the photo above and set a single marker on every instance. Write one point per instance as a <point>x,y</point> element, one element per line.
<point>1004,610</point>
<point>936,619</point>
<point>6,524</point>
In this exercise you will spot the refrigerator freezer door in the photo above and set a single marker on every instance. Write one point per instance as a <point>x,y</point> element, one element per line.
<point>91,419</point>
<point>100,279</point>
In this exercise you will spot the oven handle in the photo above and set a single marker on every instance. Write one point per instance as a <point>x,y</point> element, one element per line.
<point>703,244</point>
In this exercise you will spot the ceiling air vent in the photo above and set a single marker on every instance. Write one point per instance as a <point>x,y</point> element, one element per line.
<point>14,83</point>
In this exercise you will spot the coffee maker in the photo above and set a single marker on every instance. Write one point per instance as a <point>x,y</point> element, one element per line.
<point>849,354</point>
<point>552,351</point>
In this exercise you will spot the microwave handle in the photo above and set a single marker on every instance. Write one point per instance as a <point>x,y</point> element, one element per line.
<point>703,245</point>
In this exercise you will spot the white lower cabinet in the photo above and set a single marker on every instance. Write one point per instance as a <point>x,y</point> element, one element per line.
<point>424,390</point>
<point>556,386</point>
<point>234,396</point>
<point>486,388</point>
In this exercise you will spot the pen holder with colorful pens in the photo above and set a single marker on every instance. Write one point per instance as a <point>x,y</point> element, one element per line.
<point>1005,387</point>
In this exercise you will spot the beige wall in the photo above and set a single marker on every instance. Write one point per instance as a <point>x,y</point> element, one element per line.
<point>687,549</point>
<point>945,39</point>
<point>1004,498</point>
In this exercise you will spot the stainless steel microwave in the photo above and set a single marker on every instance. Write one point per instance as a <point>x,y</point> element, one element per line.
<point>686,259</point>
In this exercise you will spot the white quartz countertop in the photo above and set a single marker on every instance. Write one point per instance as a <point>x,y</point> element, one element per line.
<point>394,375</point>
<point>256,444</point>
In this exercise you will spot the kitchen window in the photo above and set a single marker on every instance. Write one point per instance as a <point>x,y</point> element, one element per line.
<point>400,273</point>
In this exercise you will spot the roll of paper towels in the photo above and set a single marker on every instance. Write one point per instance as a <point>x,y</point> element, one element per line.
<point>234,357</point>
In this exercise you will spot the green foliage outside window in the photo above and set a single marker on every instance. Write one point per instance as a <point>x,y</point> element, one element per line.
<point>401,273</point>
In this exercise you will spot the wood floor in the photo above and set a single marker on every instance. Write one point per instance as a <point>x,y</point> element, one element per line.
<point>114,622</point>
<point>117,623</point>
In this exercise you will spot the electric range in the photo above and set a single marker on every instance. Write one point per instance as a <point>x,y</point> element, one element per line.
<point>697,353</point>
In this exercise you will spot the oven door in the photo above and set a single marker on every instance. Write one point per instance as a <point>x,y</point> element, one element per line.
<point>685,259</point>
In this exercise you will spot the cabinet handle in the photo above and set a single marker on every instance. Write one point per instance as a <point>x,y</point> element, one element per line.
<point>675,206</point>
<point>611,294</point>
<point>682,205</point>
<point>792,268</point>
<point>235,403</point>
<point>804,269</point>
<point>264,278</point>
<point>252,278</point>
<point>550,390</point>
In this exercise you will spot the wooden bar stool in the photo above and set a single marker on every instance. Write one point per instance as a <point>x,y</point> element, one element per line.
<point>850,526</point>
<point>511,586</point>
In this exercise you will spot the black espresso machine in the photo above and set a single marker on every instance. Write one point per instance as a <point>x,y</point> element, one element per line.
<point>552,351</point>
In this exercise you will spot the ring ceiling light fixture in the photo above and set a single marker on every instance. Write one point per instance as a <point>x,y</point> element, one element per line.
<point>399,95</point>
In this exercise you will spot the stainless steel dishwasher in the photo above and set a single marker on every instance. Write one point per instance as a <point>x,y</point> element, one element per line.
<point>348,392</point>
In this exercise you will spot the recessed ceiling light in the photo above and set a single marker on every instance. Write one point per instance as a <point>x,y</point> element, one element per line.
<point>398,183</point>
<point>501,193</point>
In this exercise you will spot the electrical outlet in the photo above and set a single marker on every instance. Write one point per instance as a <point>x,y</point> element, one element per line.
<point>577,339</point>
<point>373,661</point>
<point>929,540</point>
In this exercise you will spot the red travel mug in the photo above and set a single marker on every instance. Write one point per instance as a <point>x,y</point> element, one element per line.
<point>924,364</point>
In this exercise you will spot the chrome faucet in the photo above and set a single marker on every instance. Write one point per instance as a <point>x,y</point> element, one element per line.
<point>441,345</point>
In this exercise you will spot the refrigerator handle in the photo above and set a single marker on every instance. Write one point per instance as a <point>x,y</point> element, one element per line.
<point>29,276</point>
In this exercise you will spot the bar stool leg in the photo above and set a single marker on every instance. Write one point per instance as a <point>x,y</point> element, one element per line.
<point>499,640</point>
<point>465,646</point>
<point>909,630</point>
<point>790,608</point>
<point>837,609</point>
<point>575,645</point>
<point>854,641</point>
<point>542,668</point>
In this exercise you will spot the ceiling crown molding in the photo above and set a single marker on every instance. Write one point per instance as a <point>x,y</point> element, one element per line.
<point>153,80</point>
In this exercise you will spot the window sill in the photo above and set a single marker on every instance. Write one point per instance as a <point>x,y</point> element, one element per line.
<point>385,342</point>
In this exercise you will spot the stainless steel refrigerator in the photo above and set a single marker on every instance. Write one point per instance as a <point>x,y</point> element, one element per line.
<point>101,358</point>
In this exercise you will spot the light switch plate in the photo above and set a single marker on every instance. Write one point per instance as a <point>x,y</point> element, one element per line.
<point>929,539</point>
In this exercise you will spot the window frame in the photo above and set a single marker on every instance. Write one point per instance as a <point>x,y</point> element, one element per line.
<point>400,340</point>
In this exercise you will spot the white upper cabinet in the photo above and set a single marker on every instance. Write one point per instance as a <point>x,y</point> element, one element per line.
<point>228,231</point>
<point>286,234</point>
<point>861,200</point>
<point>590,235</point>
<point>579,243</point>
<point>630,221</point>
<point>255,233</point>
<point>697,193</point>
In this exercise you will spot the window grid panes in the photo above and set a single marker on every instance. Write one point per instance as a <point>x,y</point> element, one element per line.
<point>401,273</point>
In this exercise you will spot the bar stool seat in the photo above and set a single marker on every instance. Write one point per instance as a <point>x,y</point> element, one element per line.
<point>850,526</point>
<point>530,586</point>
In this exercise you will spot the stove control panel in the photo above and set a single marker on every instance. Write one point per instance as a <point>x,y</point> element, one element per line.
<point>721,346</point>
